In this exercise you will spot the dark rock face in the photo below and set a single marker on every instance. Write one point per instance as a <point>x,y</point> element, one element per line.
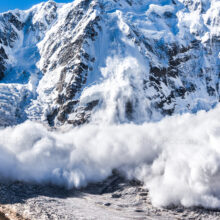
<point>3,57</point>
<point>9,34</point>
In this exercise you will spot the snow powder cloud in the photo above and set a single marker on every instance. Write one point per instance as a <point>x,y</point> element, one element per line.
<point>178,158</point>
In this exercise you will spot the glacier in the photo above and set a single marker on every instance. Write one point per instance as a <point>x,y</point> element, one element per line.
<point>93,85</point>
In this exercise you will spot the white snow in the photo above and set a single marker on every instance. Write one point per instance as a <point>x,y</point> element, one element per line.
<point>122,84</point>
<point>177,158</point>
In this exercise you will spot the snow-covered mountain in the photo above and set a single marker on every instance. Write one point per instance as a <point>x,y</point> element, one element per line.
<point>110,61</point>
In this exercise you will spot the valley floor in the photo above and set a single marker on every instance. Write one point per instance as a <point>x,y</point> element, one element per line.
<point>115,198</point>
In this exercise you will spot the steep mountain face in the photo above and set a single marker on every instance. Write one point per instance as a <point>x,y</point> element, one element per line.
<point>111,61</point>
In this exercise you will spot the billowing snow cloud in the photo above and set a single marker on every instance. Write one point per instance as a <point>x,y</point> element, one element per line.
<point>178,158</point>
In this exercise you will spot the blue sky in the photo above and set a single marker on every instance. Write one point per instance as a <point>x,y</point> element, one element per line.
<point>6,5</point>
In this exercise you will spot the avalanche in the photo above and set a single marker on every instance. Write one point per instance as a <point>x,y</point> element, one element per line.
<point>127,85</point>
<point>177,158</point>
